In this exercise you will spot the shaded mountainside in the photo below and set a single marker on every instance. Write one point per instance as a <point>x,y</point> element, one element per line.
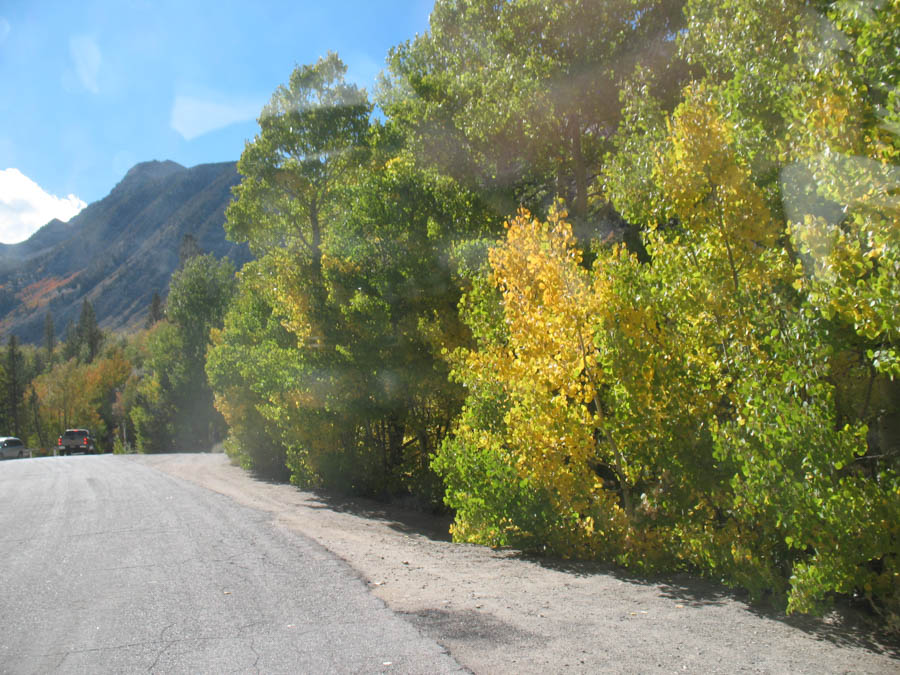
<point>118,251</point>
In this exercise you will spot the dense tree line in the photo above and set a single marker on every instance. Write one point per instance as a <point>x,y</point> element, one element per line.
<point>680,356</point>
<point>146,392</point>
<point>48,388</point>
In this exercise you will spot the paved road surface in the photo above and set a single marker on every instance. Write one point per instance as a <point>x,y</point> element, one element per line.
<point>109,566</point>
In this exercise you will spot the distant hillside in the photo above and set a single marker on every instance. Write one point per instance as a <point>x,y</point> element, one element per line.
<point>118,251</point>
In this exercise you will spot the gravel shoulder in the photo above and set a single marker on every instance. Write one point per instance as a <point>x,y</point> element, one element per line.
<point>498,611</point>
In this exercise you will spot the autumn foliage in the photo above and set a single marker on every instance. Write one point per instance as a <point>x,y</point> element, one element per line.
<point>698,405</point>
<point>680,355</point>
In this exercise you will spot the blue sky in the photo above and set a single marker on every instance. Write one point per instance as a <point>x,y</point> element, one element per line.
<point>91,88</point>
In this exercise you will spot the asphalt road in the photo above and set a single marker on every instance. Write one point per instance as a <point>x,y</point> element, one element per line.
<point>110,566</point>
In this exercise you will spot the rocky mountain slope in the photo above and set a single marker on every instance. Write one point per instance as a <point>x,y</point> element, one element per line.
<point>118,251</point>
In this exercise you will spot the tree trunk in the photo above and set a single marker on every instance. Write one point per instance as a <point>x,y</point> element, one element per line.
<point>581,182</point>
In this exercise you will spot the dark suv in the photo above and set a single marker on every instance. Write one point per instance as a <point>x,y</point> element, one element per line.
<point>76,440</point>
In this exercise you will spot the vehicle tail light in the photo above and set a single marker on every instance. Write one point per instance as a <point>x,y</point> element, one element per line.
<point>59,441</point>
<point>85,441</point>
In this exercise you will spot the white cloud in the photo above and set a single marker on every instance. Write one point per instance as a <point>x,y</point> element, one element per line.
<point>25,206</point>
<point>86,56</point>
<point>193,116</point>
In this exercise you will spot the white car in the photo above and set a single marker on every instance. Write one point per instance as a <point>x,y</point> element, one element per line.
<point>12,447</point>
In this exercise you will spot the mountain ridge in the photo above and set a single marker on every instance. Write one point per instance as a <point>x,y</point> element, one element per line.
<point>118,250</point>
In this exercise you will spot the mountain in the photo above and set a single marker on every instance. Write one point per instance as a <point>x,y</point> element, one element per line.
<point>118,251</point>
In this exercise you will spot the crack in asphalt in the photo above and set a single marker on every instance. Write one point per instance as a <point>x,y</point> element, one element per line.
<point>159,656</point>
<point>255,665</point>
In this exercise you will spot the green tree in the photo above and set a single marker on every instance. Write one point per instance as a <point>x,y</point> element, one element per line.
<point>394,298</point>
<point>88,335</point>
<point>174,405</point>
<point>365,411</point>
<point>345,313</point>
<point>156,312</point>
<point>34,407</point>
<point>312,135</point>
<point>252,366</point>
<point>519,98</point>
<point>154,410</point>
<point>15,386</point>
<point>198,297</point>
<point>71,342</point>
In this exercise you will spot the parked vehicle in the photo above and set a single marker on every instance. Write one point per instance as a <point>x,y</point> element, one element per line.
<point>76,440</point>
<point>10,446</point>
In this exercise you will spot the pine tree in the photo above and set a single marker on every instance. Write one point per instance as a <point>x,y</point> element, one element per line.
<point>71,343</point>
<point>156,312</point>
<point>89,335</point>
<point>15,384</point>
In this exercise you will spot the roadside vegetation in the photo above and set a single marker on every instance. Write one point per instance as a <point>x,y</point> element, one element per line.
<point>145,392</point>
<point>611,280</point>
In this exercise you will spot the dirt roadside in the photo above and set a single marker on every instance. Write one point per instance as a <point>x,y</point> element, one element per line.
<point>502,612</point>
